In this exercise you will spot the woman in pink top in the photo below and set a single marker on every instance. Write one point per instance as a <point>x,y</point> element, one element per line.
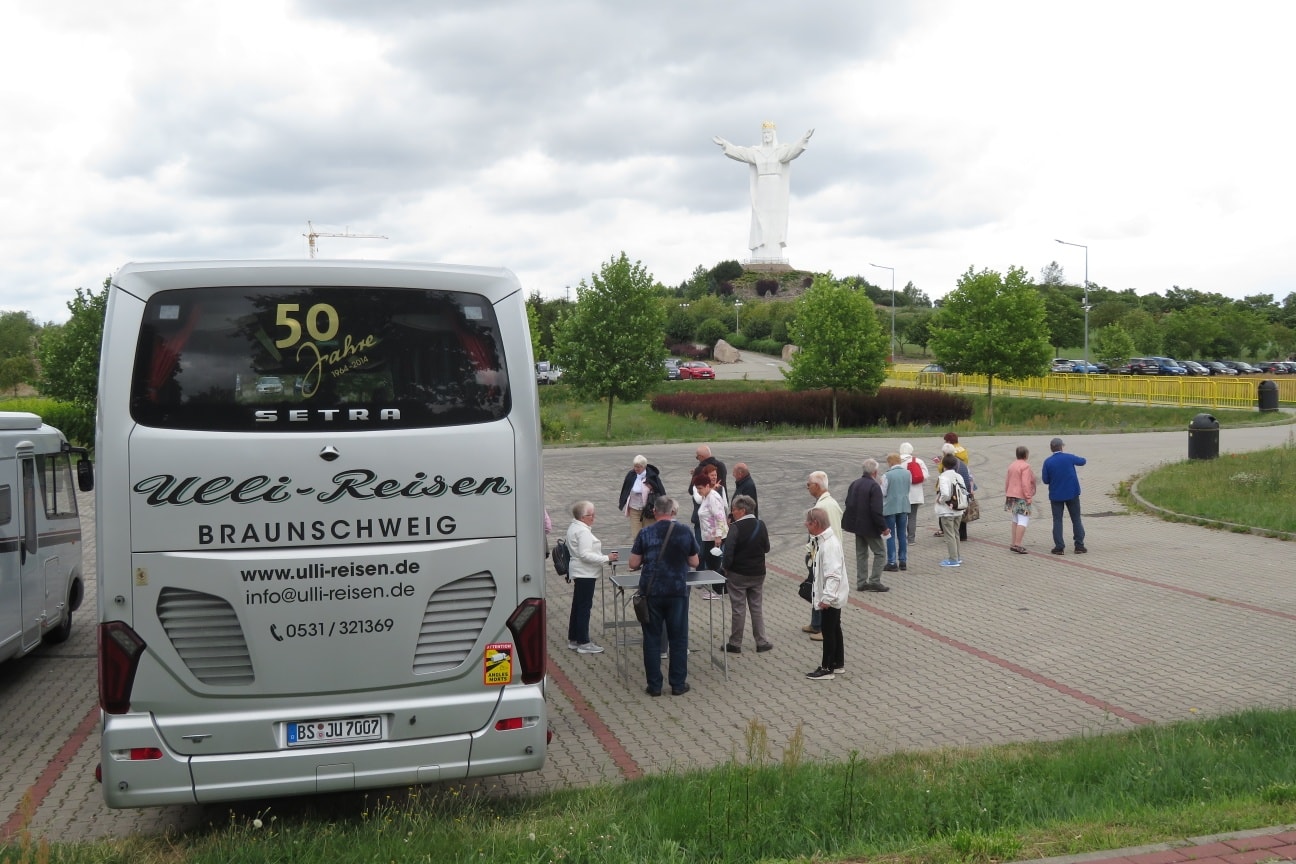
<point>1019,493</point>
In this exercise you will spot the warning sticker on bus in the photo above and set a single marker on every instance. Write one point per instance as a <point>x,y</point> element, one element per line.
<point>499,663</point>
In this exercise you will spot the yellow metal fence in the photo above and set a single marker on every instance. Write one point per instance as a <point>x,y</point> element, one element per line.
<point>1212,392</point>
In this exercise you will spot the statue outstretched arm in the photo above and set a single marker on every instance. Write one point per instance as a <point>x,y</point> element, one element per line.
<point>722,142</point>
<point>806,137</point>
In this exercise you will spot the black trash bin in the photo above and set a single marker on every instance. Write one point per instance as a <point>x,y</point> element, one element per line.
<point>1267,395</point>
<point>1203,437</point>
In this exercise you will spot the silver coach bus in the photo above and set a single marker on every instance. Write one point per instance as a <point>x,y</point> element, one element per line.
<point>320,530</point>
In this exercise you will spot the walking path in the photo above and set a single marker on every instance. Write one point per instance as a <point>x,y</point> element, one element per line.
<point>1159,622</point>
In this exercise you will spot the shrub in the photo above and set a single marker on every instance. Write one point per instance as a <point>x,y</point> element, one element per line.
<point>726,271</point>
<point>738,340</point>
<point>766,346</point>
<point>689,350</point>
<point>724,289</point>
<point>711,331</point>
<point>892,406</point>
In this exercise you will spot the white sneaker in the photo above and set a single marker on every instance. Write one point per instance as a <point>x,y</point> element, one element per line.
<point>665,655</point>
<point>589,648</point>
<point>573,644</point>
<point>840,670</point>
<point>711,595</point>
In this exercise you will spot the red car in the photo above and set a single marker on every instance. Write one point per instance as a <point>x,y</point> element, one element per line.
<point>696,369</point>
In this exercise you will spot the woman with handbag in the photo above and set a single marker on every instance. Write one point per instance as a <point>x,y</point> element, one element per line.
<point>584,569</point>
<point>1019,495</point>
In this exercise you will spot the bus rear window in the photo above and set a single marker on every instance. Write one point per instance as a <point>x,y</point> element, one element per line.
<point>289,359</point>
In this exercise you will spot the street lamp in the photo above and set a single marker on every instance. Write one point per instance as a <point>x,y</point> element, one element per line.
<point>892,269</point>
<point>1086,297</point>
<point>737,305</point>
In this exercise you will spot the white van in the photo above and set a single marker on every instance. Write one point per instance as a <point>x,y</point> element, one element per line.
<point>40,533</point>
<point>334,581</point>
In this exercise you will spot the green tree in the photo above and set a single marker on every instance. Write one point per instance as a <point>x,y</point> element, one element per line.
<point>840,345</point>
<point>69,353</point>
<point>711,331</point>
<point>913,297</point>
<point>15,371</point>
<point>17,335</point>
<point>1112,345</point>
<point>610,345</point>
<point>679,323</point>
<point>1146,331</point>
<point>1064,317</point>
<point>994,326</point>
<point>917,330</point>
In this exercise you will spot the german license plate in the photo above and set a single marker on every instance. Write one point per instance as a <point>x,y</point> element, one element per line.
<point>347,730</point>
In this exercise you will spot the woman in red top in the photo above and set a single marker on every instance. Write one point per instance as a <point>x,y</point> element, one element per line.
<point>1019,495</point>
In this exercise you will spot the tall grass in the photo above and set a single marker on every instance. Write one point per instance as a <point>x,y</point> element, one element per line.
<point>993,804</point>
<point>1255,489</point>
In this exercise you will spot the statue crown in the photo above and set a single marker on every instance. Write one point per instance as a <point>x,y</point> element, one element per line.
<point>768,124</point>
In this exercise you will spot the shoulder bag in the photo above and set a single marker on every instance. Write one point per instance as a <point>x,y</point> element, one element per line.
<point>639,600</point>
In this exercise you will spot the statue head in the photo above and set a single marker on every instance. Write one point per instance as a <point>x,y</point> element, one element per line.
<point>768,134</point>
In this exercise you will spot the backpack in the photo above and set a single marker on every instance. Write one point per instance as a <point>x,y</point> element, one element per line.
<point>916,471</point>
<point>562,559</point>
<point>959,496</point>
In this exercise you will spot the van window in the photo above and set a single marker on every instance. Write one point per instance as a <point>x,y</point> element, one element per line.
<point>57,491</point>
<point>6,505</point>
<point>291,359</point>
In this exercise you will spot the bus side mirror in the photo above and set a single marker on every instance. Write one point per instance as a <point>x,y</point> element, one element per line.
<point>85,475</point>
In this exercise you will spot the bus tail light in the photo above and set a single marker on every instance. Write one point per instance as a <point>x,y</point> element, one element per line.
<point>527,624</point>
<point>119,655</point>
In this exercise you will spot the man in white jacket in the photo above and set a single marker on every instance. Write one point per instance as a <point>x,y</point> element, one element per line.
<point>830,592</point>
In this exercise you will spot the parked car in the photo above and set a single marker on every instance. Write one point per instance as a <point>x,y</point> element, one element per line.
<point>696,369</point>
<point>1060,365</point>
<point>1166,366</point>
<point>1217,368</point>
<point>1194,368</point>
<point>547,373</point>
<point>1239,367</point>
<point>672,369</point>
<point>269,385</point>
<point>1273,367</point>
<point>1135,366</point>
<point>1081,367</point>
<point>934,373</point>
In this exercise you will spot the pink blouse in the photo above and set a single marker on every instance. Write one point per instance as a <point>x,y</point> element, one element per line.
<point>1020,482</point>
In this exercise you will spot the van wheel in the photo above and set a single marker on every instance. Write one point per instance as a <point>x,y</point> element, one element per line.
<point>61,633</point>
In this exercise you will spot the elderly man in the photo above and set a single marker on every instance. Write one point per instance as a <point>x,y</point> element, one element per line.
<point>830,592</point>
<point>745,485</point>
<point>663,553</point>
<point>864,518</point>
<point>817,486</point>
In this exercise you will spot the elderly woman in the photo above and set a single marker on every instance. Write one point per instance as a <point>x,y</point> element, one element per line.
<point>1019,495</point>
<point>744,565</point>
<point>587,560</point>
<point>959,452</point>
<point>641,486</point>
<point>713,520</point>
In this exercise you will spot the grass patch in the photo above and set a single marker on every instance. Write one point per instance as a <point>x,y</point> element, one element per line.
<point>568,421</point>
<point>1255,489</point>
<point>994,804</point>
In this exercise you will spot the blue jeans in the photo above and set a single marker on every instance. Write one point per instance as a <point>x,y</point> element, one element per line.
<point>673,613</point>
<point>1072,506</point>
<point>899,525</point>
<point>582,603</point>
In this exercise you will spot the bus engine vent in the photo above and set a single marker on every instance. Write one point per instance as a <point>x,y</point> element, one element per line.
<point>205,632</point>
<point>452,622</point>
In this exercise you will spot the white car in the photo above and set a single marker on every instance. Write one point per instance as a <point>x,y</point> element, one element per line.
<point>547,373</point>
<point>269,385</point>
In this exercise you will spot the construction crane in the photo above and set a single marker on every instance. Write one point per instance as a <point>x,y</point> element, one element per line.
<point>311,234</point>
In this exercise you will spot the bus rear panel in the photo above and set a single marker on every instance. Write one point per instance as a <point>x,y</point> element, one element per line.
<point>319,530</point>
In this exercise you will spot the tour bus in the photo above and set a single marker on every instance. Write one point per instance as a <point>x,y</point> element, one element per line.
<point>334,581</point>
<point>40,533</point>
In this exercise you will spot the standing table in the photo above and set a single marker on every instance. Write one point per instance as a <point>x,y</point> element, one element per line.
<point>629,632</point>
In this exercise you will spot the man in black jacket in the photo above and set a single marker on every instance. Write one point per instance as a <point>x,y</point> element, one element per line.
<point>744,566</point>
<point>863,518</point>
<point>745,485</point>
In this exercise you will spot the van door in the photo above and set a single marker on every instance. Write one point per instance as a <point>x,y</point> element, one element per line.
<point>31,575</point>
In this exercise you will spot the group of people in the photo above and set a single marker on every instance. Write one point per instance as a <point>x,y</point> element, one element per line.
<point>881,509</point>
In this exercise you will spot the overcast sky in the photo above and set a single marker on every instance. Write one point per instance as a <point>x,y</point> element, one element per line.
<point>549,137</point>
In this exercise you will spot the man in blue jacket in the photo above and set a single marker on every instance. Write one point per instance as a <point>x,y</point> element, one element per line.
<point>1059,474</point>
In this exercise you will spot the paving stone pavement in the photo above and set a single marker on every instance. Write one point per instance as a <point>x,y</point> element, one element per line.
<point>1159,622</point>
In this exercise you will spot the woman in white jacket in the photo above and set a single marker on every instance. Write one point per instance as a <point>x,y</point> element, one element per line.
<point>587,560</point>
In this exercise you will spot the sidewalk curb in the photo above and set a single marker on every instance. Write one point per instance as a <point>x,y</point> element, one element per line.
<point>1173,845</point>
